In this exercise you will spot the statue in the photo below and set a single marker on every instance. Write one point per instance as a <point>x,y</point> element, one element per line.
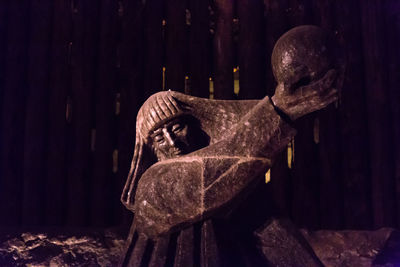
<point>197,160</point>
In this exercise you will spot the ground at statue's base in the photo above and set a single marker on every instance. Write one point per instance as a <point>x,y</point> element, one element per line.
<point>61,247</point>
<point>89,247</point>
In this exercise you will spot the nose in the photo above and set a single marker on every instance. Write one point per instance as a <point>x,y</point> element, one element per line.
<point>169,137</point>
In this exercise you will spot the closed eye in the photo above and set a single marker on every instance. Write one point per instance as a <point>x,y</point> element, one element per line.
<point>177,128</point>
<point>159,138</point>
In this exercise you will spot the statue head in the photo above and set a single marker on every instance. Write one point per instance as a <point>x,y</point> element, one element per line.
<point>303,55</point>
<point>171,124</point>
<point>166,127</point>
<point>171,139</point>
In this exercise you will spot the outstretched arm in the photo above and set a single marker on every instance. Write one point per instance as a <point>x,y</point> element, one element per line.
<point>180,191</point>
<point>297,102</point>
<point>177,192</point>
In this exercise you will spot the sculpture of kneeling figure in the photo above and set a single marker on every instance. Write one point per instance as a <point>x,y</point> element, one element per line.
<point>196,160</point>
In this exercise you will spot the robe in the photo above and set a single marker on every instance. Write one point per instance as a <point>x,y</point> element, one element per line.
<point>185,207</point>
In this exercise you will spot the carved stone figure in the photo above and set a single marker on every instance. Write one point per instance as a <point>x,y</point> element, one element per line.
<point>198,162</point>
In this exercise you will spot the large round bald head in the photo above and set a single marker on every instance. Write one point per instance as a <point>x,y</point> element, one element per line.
<point>304,53</point>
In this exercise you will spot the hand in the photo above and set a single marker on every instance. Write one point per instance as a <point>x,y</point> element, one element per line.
<point>297,102</point>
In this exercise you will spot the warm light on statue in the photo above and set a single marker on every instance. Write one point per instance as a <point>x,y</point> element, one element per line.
<point>197,160</point>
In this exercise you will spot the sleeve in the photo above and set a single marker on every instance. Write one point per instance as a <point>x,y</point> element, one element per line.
<point>178,192</point>
<point>262,132</point>
<point>169,196</point>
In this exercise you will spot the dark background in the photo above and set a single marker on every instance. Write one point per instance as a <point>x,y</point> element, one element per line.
<point>73,74</point>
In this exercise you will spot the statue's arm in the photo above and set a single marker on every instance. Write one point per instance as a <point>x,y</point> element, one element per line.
<point>306,99</point>
<point>187,189</point>
<point>261,133</point>
<point>184,190</point>
<point>171,195</point>
<point>168,196</point>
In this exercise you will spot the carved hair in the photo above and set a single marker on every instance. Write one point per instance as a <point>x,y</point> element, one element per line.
<point>155,111</point>
<point>215,117</point>
<point>158,109</point>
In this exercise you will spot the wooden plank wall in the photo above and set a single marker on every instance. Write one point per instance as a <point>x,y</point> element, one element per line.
<point>73,74</point>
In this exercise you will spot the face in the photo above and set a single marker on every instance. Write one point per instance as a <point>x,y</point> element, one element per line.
<point>171,139</point>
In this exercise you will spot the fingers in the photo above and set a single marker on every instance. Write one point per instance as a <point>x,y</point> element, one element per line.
<point>309,98</point>
<point>325,100</point>
<point>318,101</point>
<point>329,78</point>
<point>320,86</point>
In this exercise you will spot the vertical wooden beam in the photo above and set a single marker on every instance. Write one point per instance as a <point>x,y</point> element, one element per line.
<point>305,183</point>
<point>353,122</point>
<point>251,52</point>
<point>199,48</point>
<point>176,45</point>
<point>379,117</point>
<point>131,86</point>
<point>300,12</point>
<point>324,13</point>
<point>392,26</point>
<point>4,13</point>
<point>55,184</point>
<point>3,45</point>
<point>223,50</point>
<point>83,66</point>
<point>330,180</point>
<point>275,25</point>
<point>304,174</point>
<point>327,135</point>
<point>103,176</point>
<point>36,123</point>
<point>280,186</point>
<point>154,49</point>
<point>13,113</point>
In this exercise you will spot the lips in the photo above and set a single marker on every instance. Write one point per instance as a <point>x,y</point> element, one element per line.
<point>177,152</point>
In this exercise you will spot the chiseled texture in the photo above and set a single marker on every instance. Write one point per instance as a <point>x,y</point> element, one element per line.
<point>213,154</point>
<point>356,248</point>
<point>89,247</point>
<point>283,245</point>
<point>177,192</point>
<point>167,198</point>
<point>60,247</point>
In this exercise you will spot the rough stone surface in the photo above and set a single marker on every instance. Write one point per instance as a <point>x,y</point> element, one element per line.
<point>61,248</point>
<point>283,245</point>
<point>177,191</point>
<point>197,159</point>
<point>356,248</point>
<point>280,241</point>
<point>306,62</point>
